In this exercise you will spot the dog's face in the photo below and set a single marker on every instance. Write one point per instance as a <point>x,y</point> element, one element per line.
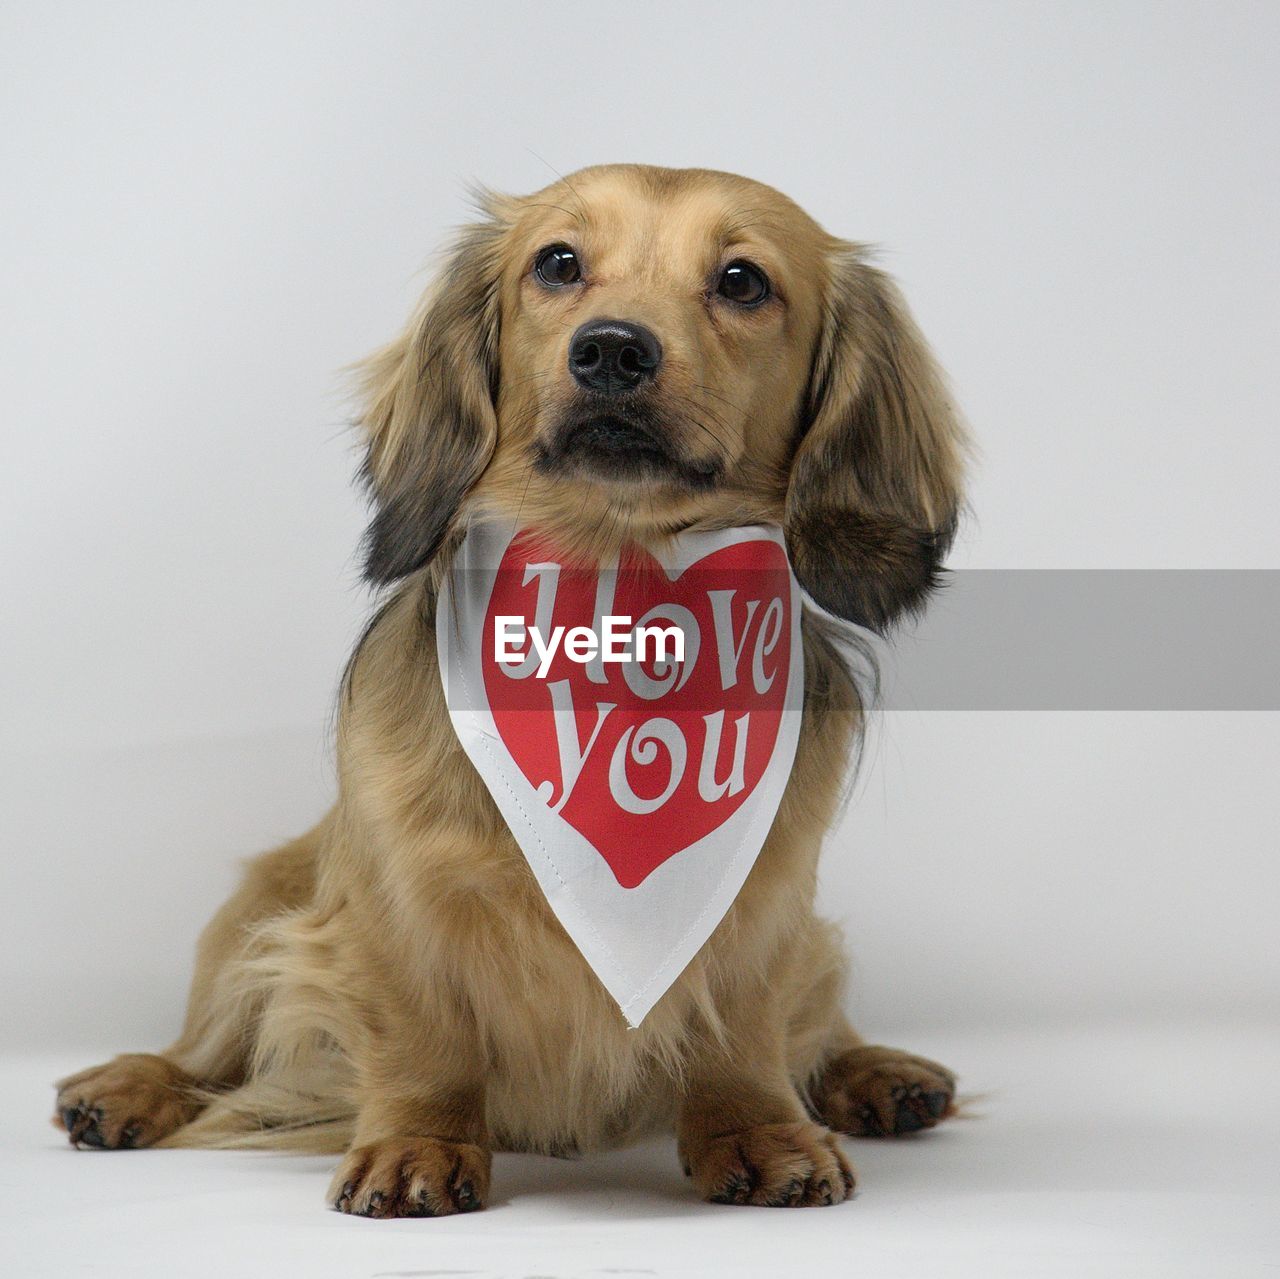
<point>656,333</point>
<point>635,350</point>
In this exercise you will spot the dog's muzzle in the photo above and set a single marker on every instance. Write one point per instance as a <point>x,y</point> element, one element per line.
<point>627,446</point>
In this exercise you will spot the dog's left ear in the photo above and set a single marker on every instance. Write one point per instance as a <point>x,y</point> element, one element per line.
<point>429,419</point>
<point>874,490</point>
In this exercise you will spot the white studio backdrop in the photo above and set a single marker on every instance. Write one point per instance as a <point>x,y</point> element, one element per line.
<point>208,211</point>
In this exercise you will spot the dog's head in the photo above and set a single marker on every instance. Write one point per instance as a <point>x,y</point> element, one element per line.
<point>635,350</point>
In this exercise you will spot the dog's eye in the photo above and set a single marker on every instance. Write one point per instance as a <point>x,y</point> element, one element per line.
<point>558,264</point>
<point>743,283</point>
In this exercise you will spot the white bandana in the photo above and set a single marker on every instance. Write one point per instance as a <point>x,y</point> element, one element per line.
<point>640,787</point>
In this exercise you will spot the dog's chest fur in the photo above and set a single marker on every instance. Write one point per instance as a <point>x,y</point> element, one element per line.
<point>461,912</point>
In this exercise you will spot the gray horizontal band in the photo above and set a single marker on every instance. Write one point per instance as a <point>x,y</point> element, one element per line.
<point>1082,639</point>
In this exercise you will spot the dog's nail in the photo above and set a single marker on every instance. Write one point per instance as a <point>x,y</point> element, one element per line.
<point>468,1200</point>
<point>790,1195</point>
<point>871,1124</point>
<point>730,1192</point>
<point>937,1103</point>
<point>82,1126</point>
<point>91,1135</point>
<point>906,1120</point>
<point>421,1206</point>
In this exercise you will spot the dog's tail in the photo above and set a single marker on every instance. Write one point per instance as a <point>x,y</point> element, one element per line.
<point>298,1093</point>
<point>284,1113</point>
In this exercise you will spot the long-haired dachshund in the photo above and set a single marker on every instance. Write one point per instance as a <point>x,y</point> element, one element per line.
<point>393,985</point>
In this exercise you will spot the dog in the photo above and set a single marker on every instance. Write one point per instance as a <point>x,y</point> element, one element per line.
<point>392,986</point>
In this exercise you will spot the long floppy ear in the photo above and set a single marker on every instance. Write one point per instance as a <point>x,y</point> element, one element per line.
<point>429,419</point>
<point>874,490</point>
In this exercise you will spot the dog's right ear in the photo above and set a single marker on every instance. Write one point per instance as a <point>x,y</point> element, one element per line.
<point>429,406</point>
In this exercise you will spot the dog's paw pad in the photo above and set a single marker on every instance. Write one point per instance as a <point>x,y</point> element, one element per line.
<point>128,1103</point>
<point>773,1165</point>
<point>412,1177</point>
<point>882,1092</point>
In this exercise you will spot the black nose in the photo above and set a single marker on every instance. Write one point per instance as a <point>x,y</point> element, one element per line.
<point>613,355</point>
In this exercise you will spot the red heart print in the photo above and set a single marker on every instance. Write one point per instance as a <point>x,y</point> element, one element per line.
<point>644,758</point>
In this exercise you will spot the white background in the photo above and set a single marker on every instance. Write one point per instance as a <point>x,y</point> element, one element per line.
<point>208,210</point>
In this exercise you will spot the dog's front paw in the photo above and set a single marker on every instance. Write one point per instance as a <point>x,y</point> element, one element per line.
<point>882,1092</point>
<point>774,1165</point>
<point>412,1177</point>
<point>130,1102</point>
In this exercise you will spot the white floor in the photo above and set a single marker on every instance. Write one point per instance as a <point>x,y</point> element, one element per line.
<point>1102,1151</point>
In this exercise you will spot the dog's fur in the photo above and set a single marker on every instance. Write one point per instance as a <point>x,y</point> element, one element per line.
<point>393,984</point>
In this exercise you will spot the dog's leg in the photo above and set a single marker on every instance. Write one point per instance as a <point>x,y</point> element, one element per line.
<point>421,1148</point>
<point>743,1132</point>
<point>865,1090</point>
<point>138,1099</point>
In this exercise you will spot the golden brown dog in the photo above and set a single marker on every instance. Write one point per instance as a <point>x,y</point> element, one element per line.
<point>393,985</point>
